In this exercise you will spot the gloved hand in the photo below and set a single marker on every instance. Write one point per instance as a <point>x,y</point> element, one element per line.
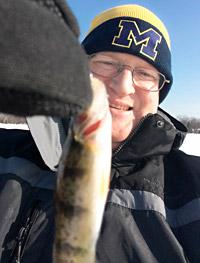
<point>43,68</point>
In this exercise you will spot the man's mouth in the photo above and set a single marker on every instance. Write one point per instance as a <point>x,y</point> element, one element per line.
<point>120,107</point>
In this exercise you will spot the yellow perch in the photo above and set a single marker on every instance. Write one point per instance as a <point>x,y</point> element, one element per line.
<point>83,181</point>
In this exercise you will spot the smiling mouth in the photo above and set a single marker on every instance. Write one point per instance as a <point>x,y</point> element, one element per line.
<point>120,107</point>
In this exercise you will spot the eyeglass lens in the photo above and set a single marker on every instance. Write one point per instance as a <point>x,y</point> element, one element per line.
<point>109,67</point>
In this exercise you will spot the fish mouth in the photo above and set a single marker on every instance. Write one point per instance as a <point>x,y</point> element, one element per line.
<point>120,107</point>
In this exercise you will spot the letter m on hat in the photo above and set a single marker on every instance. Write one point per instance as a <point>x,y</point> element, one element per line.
<point>130,32</point>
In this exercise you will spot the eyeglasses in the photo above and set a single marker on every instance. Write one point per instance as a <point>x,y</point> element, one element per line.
<point>144,78</point>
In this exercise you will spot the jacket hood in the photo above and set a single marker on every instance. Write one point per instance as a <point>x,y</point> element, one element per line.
<point>159,133</point>
<point>49,135</point>
<point>180,129</point>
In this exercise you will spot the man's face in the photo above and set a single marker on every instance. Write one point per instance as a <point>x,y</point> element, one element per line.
<point>128,103</point>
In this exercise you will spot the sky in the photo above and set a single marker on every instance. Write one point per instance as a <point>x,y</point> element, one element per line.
<point>182,20</point>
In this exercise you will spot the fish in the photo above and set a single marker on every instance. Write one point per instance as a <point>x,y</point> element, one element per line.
<point>83,179</point>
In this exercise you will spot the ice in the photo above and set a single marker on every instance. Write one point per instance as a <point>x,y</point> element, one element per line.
<point>191,144</point>
<point>14,126</point>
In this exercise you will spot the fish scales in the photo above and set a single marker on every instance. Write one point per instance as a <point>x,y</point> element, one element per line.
<point>83,179</point>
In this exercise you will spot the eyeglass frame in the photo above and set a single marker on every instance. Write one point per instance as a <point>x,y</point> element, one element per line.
<point>165,80</point>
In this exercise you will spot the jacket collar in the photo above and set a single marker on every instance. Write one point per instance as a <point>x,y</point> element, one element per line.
<point>159,133</point>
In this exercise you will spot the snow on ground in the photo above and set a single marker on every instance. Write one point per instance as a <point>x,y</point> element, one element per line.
<point>191,144</point>
<point>14,126</point>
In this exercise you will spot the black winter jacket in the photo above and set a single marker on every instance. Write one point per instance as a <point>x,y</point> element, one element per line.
<point>153,207</point>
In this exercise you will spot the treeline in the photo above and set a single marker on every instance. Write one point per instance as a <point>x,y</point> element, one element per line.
<point>11,119</point>
<point>192,124</point>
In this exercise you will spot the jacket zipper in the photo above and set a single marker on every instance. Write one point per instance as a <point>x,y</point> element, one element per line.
<point>23,234</point>
<point>131,135</point>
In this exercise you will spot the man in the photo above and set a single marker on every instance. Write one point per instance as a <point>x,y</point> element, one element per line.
<point>152,210</point>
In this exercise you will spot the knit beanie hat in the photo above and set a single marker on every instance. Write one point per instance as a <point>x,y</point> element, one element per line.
<point>43,68</point>
<point>134,30</point>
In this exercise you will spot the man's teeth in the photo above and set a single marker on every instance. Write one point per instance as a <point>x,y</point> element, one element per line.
<point>119,107</point>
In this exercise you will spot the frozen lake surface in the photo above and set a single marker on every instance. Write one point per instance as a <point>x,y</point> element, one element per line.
<point>191,144</point>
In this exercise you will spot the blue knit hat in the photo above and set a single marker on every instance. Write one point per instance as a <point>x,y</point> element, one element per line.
<point>134,30</point>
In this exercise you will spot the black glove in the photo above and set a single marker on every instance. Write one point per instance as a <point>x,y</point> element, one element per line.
<point>43,68</point>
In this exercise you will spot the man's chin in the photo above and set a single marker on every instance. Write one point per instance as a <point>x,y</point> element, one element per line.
<point>119,138</point>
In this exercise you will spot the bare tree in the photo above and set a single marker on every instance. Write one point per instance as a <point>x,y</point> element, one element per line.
<point>11,119</point>
<point>192,123</point>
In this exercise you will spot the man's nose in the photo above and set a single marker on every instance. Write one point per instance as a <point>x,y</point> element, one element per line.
<point>123,83</point>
